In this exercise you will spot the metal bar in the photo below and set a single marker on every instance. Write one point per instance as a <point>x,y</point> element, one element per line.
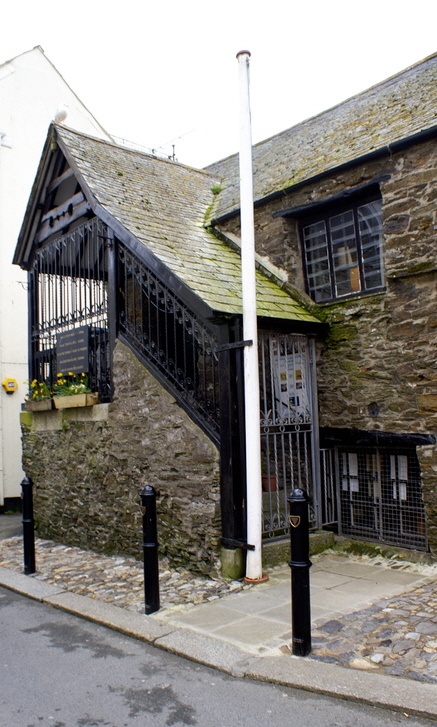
<point>250,329</point>
<point>315,440</point>
<point>234,543</point>
<point>28,526</point>
<point>112,307</point>
<point>230,346</point>
<point>300,565</point>
<point>150,550</point>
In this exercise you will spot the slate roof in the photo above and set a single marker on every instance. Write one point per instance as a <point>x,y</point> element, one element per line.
<point>164,205</point>
<point>398,108</point>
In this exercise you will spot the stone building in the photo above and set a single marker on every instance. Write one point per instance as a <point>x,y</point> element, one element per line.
<point>139,258</point>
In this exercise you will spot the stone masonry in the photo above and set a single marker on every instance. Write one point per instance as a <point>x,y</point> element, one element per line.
<point>88,494</point>
<point>376,367</point>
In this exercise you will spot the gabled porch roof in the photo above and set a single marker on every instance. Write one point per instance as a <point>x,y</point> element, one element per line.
<point>161,207</point>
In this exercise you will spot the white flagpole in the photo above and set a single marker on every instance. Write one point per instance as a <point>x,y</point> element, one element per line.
<point>250,332</point>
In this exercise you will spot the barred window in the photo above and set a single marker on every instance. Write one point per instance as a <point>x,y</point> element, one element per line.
<point>343,251</point>
<point>380,495</point>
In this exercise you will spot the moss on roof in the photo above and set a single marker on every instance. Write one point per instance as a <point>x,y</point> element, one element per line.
<point>395,109</point>
<point>163,205</point>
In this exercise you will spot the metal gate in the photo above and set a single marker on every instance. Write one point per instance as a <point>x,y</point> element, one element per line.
<point>288,427</point>
<point>378,492</point>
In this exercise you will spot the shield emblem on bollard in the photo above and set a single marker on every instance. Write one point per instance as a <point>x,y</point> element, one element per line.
<point>294,520</point>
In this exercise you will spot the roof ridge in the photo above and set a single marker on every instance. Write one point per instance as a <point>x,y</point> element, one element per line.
<point>367,91</point>
<point>25,52</point>
<point>61,127</point>
<point>321,114</point>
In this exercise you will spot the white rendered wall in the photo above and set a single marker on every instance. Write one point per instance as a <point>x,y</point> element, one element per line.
<point>31,91</point>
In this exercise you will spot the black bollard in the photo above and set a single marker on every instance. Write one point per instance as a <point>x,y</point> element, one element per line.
<point>300,565</point>
<point>28,526</point>
<point>150,550</point>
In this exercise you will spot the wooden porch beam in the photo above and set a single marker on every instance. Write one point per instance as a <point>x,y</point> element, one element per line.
<point>56,219</point>
<point>59,180</point>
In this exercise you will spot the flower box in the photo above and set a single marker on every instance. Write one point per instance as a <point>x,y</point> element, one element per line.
<point>75,400</point>
<point>39,405</point>
<point>269,483</point>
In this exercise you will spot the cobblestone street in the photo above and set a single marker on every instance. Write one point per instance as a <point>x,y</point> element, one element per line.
<point>396,635</point>
<point>114,579</point>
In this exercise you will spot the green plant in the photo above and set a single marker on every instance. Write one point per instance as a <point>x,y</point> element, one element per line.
<point>69,384</point>
<point>39,390</point>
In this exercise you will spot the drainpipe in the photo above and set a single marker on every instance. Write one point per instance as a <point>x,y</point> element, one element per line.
<point>250,332</point>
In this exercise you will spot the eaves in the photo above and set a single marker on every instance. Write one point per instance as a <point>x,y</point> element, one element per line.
<point>387,150</point>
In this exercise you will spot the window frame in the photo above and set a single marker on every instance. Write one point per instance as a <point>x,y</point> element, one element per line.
<point>323,215</point>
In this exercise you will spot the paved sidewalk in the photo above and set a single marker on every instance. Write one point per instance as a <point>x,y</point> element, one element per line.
<point>376,617</point>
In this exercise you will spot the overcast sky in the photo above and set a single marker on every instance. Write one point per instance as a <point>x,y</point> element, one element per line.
<point>165,72</point>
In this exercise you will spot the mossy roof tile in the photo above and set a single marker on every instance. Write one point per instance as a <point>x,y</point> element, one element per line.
<point>393,110</point>
<point>164,205</point>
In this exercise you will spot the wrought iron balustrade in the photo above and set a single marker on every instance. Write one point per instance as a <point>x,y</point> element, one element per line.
<point>68,287</point>
<point>178,347</point>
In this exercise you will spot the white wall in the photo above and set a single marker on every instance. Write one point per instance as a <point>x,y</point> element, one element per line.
<point>31,91</point>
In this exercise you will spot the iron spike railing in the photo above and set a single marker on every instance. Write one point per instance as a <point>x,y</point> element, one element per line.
<point>177,346</point>
<point>69,282</point>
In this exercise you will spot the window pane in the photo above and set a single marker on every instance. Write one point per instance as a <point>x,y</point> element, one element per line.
<point>317,261</point>
<point>344,253</point>
<point>370,226</point>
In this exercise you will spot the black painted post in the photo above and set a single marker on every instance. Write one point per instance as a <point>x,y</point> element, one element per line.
<point>150,550</point>
<point>28,526</point>
<point>300,565</point>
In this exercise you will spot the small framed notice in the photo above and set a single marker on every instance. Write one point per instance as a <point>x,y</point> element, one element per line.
<point>72,351</point>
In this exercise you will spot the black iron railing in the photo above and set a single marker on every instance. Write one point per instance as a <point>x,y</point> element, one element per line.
<point>68,290</point>
<point>173,342</point>
<point>68,286</point>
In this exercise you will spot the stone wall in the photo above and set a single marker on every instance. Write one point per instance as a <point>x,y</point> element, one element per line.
<point>376,367</point>
<point>88,466</point>
<point>380,349</point>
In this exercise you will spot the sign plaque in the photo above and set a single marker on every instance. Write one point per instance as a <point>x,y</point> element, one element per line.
<point>72,351</point>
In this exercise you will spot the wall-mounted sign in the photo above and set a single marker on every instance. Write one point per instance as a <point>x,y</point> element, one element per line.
<point>290,372</point>
<point>72,351</point>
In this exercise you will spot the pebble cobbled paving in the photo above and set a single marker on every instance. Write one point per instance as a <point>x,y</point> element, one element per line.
<point>114,579</point>
<point>395,636</point>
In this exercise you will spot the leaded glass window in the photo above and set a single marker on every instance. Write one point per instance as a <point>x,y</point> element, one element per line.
<point>343,252</point>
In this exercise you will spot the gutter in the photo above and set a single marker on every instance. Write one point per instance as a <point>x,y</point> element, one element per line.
<point>387,150</point>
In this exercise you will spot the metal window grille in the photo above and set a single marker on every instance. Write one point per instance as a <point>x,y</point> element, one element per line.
<point>380,496</point>
<point>329,491</point>
<point>178,347</point>
<point>68,290</point>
